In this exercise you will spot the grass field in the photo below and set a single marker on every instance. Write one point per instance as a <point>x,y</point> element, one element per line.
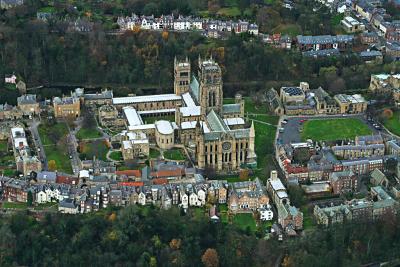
<point>154,153</point>
<point>393,124</point>
<point>9,172</point>
<point>150,120</point>
<point>289,29</point>
<point>334,129</point>
<point>97,148</point>
<point>229,12</point>
<point>3,146</point>
<point>88,133</point>
<point>245,221</point>
<point>116,155</point>
<point>55,148</point>
<point>14,205</point>
<point>174,154</point>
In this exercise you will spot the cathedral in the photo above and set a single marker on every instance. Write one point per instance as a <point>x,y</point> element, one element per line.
<point>214,134</point>
<point>217,132</point>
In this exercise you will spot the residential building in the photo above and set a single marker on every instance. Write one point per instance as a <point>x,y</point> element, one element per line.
<point>344,182</point>
<point>28,105</point>
<point>67,107</point>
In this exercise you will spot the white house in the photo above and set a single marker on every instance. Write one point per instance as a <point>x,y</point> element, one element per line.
<point>266,214</point>
<point>142,199</point>
<point>41,197</point>
<point>193,200</point>
<point>184,201</point>
<point>11,79</point>
<point>201,195</point>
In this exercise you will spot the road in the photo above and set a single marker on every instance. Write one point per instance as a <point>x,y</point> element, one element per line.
<point>33,128</point>
<point>72,145</point>
<point>291,133</point>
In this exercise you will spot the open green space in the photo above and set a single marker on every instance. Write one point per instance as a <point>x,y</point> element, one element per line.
<point>393,124</point>
<point>150,120</point>
<point>116,155</point>
<point>3,146</point>
<point>51,133</point>
<point>308,221</point>
<point>14,205</point>
<point>53,137</point>
<point>174,154</point>
<point>47,9</point>
<point>154,153</point>
<point>10,86</point>
<point>88,133</point>
<point>229,12</point>
<point>97,148</point>
<point>249,106</point>
<point>9,172</point>
<point>289,29</point>
<point>245,221</point>
<point>334,129</point>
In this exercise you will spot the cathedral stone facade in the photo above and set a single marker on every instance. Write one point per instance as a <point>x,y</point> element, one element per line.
<point>214,135</point>
<point>221,138</point>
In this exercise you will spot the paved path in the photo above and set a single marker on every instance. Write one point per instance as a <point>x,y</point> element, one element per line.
<point>38,143</point>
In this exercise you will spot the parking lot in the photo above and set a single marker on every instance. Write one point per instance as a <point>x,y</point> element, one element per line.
<point>290,132</point>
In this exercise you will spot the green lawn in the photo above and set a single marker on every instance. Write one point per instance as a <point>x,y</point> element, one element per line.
<point>150,120</point>
<point>10,86</point>
<point>289,29</point>
<point>229,12</point>
<point>3,146</point>
<point>58,153</point>
<point>224,217</point>
<point>244,221</point>
<point>14,205</point>
<point>116,155</point>
<point>174,154</point>
<point>53,138</point>
<point>9,172</point>
<point>334,129</point>
<point>249,106</point>
<point>393,124</point>
<point>57,130</point>
<point>88,133</point>
<point>154,153</point>
<point>308,221</point>
<point>97,148</point>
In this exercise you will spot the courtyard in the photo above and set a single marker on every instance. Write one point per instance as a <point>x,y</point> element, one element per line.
<point>334,129</point>
<point>53,137</point>
<point>324,128</point>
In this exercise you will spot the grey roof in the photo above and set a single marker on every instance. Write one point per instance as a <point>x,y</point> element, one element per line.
<point>231,108</point>
<point>216,123</point>
<point>324,39</point>
<point>322,53</point>
<point>292,91</point>
<point>372,53</point>
<point>67,203</point>
<point>195,88</point>
<point>103,95</point>
<point>48,176</point>
<point>26,99</point>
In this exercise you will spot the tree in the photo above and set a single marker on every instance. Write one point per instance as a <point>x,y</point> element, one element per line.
<point>210,258</point>
<point>30,198</point>
<point>387,113</point>
<point>244,174</point>
<point>52,165</point>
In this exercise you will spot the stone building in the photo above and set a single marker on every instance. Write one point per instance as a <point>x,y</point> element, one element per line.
<point>343,182</point>
<point>67,107</point>
<point>247,196</point>
<point>109,117</point>
<point>28,104</point>
<point>351,104</point>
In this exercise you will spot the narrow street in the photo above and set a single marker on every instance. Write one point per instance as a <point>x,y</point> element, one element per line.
<point>33,128</point>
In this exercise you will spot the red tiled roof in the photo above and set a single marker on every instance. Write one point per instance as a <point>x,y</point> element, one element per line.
<point>160,181</point>
<point>130,183</point>
<point>134,173</point>
<point>64,179</point>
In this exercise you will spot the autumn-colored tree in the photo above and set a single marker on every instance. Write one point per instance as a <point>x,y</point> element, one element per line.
<point>210,258</point>
<point>112,217</point>
<point>175,243</point>
<point>165,35</point>
<point>244,174</point>
<point>387,113</point>
<point>52,165</point>
<point>136,29</point>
